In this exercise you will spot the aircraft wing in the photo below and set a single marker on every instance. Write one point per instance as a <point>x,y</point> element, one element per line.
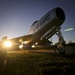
<point>16,42</point>
<point>23,39</point>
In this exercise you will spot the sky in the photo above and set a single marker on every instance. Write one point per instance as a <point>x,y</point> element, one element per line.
<point>17,16</point>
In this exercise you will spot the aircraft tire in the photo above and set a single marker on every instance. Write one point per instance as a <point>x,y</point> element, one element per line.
<point>61,50</point>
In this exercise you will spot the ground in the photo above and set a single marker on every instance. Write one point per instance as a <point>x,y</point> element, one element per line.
<point>38,63</point>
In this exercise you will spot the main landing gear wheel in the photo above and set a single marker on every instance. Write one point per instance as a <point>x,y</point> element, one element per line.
<point>61,50</point>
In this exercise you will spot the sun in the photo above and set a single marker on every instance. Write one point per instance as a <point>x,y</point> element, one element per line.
<point>7,44</point>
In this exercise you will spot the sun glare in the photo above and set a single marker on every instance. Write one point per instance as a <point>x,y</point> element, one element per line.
<point>7,44</point>
<point>21,46</point>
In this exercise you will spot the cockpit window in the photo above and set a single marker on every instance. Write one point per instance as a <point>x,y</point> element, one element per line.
<point>34,23</point>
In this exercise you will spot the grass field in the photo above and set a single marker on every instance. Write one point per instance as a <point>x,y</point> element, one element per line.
<point>39,64</point>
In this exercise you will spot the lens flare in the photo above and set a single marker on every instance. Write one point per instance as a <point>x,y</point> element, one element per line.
<point>7,44</point>
<point>69,29</point>
<point>21,46</point>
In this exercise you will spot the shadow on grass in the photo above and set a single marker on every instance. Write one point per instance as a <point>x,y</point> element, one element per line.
<point>39,64</point>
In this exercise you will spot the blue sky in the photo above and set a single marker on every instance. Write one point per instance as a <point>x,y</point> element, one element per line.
<point>16,16</point>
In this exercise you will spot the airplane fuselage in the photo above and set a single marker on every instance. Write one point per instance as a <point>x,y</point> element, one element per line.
<point>48,25</point>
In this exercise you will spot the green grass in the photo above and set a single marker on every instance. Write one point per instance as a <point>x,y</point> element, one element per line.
<point>39,64</point>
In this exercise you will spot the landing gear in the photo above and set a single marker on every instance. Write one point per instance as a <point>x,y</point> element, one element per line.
<point>61,43</point>
<point>61,48</point>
